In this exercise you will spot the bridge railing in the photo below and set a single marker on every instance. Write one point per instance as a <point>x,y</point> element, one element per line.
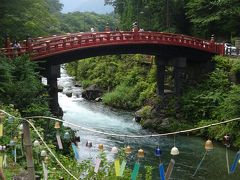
<point>49,45</point>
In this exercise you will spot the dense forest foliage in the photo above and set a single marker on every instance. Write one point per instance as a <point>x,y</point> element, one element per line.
<point>194,17</point>
<point>43,17</point>
<point>216,99</point>
<point>35,18</point>
<point>21,95</point>
<point>128,81</point>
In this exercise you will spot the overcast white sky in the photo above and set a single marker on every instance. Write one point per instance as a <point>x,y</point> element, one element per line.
<point>86,5</point>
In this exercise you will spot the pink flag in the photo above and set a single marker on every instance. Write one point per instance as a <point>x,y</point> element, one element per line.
<point>59,141</point>
<point>97,165</point>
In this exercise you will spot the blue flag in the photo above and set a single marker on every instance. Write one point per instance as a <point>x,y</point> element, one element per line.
<point>161,171</point>
<point>76,154</point>
<point>234,165</point>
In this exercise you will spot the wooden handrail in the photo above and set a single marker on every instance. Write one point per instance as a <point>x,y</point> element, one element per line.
<point>53,44</point>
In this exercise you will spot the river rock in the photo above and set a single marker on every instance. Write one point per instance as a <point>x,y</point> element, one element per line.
<point>143,113</point>
<point>77,95</point>
<point>158,124</point>
<point>69,94</point>
<point>77,84</point>
<point>60,89</point>
<point>137,117</point>
<point>92,92</point>
<point>98,99</point>
<point>68,91</point>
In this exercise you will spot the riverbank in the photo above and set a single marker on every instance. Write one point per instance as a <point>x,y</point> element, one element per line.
<point>95,115</point>
<point>129,83</point>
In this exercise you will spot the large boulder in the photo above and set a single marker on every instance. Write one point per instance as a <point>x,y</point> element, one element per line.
<point>143,113</point>
<point>158,124</point>
<point>137,116</point>
<point>92,92</point>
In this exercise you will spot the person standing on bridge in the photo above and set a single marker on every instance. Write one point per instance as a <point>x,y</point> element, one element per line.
<point>116,29</point>
<point>135,30</point>
<point>16,47</point>
<point>92,29</point>
<point>107,28</point>
<point>135,27</point>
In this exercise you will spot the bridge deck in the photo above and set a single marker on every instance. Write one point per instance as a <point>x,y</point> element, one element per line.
<point>47,46</point>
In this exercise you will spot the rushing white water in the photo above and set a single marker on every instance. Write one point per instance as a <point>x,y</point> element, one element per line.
<point>95,115</point>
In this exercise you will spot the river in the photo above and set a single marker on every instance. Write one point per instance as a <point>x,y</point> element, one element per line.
<point>99,117</point>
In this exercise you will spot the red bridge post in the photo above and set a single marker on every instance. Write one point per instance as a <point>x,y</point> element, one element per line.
<point>7,41</point>
<point>48,45</point>
<point>28,44</point>
<point>212,43</point>
<point>64,42</point>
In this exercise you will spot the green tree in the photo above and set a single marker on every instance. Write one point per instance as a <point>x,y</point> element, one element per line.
<point>20,84</point>
<point>19,18</point>
<point>220,17</point>
<point>79,21</point>
<point>127,80</point>
<point>156,15</point>
<point>215,99</point>
<point>54,6</point>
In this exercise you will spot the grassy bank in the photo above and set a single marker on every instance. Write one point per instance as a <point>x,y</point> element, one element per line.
<point>129,82</point>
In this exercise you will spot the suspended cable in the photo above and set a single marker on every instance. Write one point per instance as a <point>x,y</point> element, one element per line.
<point>27,119</point>
<point>39,135</point>
<point>125,135</point>
<point>133,136</point>
<point>45,144</point>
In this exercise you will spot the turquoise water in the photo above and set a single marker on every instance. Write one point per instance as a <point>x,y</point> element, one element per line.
<point>96,116</point>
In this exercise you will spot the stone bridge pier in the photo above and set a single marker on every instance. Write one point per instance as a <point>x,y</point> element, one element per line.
<point>179,68</point>
<point>52,72</point>
<point>184,72</point>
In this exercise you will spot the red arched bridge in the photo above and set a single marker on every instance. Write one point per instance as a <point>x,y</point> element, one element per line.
<point>74,46</point>
<point>189,56</point>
